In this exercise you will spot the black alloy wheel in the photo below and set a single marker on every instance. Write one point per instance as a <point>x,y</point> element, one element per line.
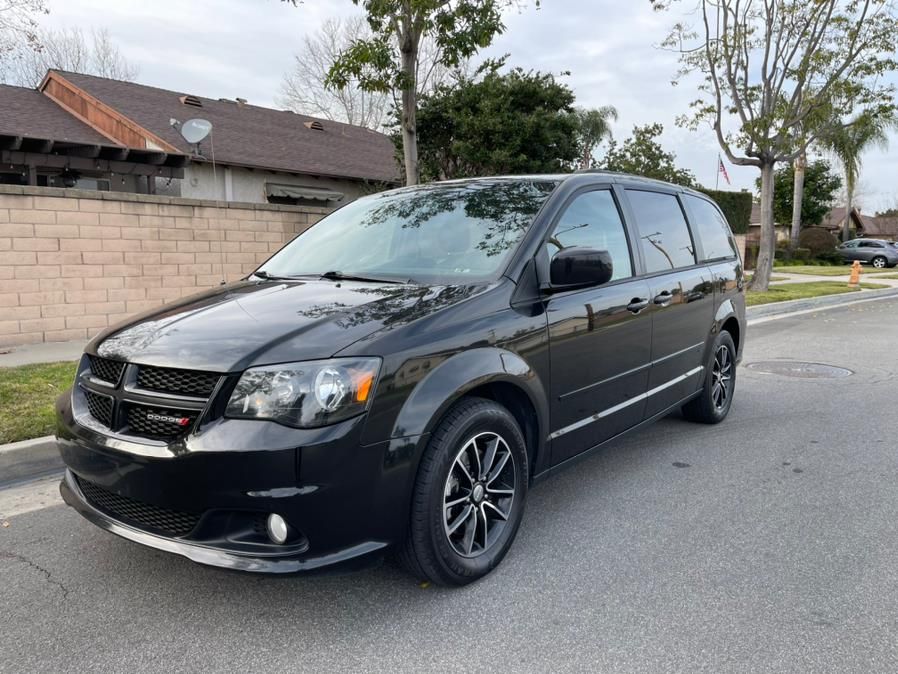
<point>469,495</point>
<point>713,403</point>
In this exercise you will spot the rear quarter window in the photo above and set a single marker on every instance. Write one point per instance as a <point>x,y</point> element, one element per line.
<point>711,229</point>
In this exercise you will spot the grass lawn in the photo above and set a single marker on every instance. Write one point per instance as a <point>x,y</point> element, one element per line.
<point>815,270</point>
<point>800,291</point>
<point>27,397</point>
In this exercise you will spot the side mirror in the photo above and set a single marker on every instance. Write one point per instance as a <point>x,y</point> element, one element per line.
<point>577,266</point>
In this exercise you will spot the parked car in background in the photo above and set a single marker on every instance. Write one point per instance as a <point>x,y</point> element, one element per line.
<point>402,372</point>
<point>877,252</point>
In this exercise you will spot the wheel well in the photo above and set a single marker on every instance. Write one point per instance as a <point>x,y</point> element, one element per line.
<point>731,325</point>
<point>518,403</point>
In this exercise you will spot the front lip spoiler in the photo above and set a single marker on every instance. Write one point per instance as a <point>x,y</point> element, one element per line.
<point>357,556</point>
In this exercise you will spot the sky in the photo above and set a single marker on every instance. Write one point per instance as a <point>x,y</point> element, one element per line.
<point>242,48</point>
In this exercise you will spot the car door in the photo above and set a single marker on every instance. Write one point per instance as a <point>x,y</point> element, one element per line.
<point>682,297</point>
<point>865,251</point>
<point>599,337</point>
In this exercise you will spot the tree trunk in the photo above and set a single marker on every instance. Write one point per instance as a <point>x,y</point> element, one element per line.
<point>764,265</point>
<point>409,50</point>
<point>798,196</point>
<point>846,225</point>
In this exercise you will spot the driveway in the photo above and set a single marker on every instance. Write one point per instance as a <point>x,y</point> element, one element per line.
<point>767,543</point>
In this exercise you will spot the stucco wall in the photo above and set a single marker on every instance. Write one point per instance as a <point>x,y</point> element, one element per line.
<point>249,186</point>
<point>75,261</point>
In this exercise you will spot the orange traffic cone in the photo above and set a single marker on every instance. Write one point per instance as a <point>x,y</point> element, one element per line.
<point>855,274</point>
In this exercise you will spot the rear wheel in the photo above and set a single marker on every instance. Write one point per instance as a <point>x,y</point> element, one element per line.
<point>880,262</point>
<point>713,404</point>
<point>469,495</point>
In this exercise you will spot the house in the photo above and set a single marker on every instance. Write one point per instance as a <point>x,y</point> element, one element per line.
<point>783,232</point>
<point>96,133</point>
<point>835,219</point>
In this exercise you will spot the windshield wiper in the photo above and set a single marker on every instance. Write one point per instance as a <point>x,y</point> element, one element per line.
<point>270,277</point>
<point>340,276</point>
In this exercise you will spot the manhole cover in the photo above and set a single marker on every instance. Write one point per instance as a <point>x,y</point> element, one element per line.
<point>795,368</point>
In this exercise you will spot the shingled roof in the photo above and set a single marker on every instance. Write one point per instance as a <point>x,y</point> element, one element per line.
<point>29,114</point>
<point>249,135</point>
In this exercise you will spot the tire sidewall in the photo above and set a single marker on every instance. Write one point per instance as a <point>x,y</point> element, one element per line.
<point>496,420</point>
<point>722,339</point>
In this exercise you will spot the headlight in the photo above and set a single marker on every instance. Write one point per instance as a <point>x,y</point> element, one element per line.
<point>305,395</point>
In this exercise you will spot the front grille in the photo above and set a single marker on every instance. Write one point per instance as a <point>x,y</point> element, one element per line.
<point>170,380</point>
<point>148,421</point>
<point>99,406</point>
<point>170,522</point>
<point>107,370</point>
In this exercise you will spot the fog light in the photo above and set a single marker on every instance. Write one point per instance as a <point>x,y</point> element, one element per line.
<point>277,528</point>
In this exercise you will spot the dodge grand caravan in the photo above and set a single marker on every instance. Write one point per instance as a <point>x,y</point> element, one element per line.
<point>400,374</point>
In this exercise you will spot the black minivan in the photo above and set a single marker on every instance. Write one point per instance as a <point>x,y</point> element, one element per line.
<point>400,374</point>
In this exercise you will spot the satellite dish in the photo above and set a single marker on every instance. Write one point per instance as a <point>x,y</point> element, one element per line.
<point>195,130</point>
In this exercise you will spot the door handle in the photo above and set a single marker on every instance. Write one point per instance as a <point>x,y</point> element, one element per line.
<point>637,304</point>
<point>663,298</point>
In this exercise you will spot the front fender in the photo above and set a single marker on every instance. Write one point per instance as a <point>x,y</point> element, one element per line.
<point>462,373</point>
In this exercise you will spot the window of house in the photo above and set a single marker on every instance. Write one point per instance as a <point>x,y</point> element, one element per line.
<point>710,227</point>
<point>663,232</point>
<point>593,221</point>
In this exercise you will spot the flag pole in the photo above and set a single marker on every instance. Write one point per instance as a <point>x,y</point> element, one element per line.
<point>717,173</point>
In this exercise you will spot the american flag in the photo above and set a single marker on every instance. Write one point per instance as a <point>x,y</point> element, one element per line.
<point>722,169</point>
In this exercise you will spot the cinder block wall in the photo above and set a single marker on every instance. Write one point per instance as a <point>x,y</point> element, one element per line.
<point>75,261</point>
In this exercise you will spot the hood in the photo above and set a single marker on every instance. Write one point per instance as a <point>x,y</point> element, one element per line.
<point>253,323</point>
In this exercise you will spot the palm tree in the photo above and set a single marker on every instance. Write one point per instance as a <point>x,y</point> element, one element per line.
<point>595,126</point>
<point>848,142</point>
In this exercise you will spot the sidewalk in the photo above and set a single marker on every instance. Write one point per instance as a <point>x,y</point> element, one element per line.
<point>51,352</point>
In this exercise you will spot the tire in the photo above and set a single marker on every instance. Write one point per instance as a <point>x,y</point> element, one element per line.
<point>709,407</point>
<point>879,262</point>
<point>430,551</point>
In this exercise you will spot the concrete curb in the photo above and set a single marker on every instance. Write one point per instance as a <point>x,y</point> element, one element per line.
<point>29,459</point>
<point>816,303</point>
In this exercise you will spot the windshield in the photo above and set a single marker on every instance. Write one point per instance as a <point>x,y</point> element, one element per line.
<point>442,233</point>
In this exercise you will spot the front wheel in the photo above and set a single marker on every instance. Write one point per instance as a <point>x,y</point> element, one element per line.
<point>713,403</point>
<point>880,262</point>
<point>469,495</point>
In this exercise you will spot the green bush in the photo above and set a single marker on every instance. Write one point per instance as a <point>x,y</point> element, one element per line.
<point>736,206</point>
<point>783,254</point>
<point>829,257</point>
<point>817,240</point>
<point>801,254</point>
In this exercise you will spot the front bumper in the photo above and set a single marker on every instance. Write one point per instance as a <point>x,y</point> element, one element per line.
<point>345,502</point>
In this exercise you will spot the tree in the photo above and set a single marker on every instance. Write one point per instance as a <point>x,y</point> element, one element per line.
<point>303,89</point>
<point>641,154</point>
<point>68,49</point>
<point>848,142</point>
<point>820,188</point>
<point>18,26</point>
<point>387,61</point>
<point>595,127</point>
<point>771,70</point>
<point>519,122</point>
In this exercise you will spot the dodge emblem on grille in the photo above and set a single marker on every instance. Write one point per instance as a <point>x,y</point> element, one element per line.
<point>180,421</point>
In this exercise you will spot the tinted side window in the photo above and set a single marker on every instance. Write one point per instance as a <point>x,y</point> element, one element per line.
<point>664,235</point>
<point>710,227</point>
<point>592,220</point>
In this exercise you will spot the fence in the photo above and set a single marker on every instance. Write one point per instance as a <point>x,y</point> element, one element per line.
<point>75,261</point>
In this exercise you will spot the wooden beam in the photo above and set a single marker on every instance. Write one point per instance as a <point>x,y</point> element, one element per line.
<point>10,142</point>
<point>57,161</point>
<point>155,158</point>
<point>39,146</point>
<point>91,151</point>
<point>32,174</point>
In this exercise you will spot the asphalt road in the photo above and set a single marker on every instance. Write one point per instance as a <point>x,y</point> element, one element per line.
<point>767,543</point>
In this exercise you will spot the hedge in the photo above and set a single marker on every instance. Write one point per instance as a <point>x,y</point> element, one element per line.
<point>736,206</point>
